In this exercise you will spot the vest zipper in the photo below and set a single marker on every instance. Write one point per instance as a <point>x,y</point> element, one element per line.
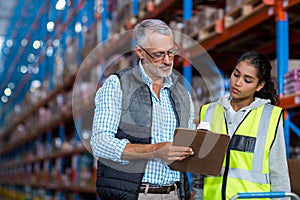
<point>225,175</point>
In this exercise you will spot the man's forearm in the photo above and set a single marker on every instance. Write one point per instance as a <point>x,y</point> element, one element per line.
<point>139,151</point>
<point>164,150</point>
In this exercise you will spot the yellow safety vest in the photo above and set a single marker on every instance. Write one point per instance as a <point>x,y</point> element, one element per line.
<point>246,164</point>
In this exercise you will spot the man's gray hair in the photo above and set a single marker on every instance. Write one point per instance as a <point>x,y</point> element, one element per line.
<point>155,25</point>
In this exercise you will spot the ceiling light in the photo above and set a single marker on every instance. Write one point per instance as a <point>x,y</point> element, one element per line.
<point>7,92</point>
<point>36,44</point>
<point>60,5</point>
<point>11,85</point>
<point>78,27</point>
<point>4,99</point>
<point>49,51</point>
<point>24,42</point>
<point>23,69</point>
<point>50,26</point>
<point>56,42</point>
<point>30,58</point>
<point>9,43</point>
<point>36,84</point>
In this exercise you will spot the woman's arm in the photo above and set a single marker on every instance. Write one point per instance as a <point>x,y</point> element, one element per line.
<point>279,174</point>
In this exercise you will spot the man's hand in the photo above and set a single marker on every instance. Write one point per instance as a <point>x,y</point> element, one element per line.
<point>169,153</point>
<point>165,151</point>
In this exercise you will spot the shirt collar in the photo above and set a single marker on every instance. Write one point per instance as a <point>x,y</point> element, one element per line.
<point>168,80</point>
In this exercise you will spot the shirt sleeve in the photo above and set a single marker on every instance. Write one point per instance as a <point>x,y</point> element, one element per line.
<point>279,174</point>
<point>106,121</point>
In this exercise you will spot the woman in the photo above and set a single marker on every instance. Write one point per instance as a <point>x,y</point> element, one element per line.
<point>256,159</point>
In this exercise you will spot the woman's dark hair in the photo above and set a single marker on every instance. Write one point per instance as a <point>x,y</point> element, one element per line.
<point>263,66</point>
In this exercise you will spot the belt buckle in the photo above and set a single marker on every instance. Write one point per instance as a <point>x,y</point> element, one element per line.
<point>169,188</point>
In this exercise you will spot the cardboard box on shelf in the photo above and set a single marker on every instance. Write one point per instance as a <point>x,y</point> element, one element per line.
<point>294,166</point>
<point>292,65</point>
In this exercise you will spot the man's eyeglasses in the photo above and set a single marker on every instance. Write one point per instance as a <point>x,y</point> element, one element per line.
<point>161,55</point>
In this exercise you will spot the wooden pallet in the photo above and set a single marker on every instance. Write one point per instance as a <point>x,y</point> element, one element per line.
<point>238,13</point>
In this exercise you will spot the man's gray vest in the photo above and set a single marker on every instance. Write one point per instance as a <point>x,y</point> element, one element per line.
<point>116,181</point>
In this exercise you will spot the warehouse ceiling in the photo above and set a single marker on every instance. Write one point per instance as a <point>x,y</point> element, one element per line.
<point>6,12</point>
<point>18,30</point>
<point>30,33</point>
<point>24,39</point>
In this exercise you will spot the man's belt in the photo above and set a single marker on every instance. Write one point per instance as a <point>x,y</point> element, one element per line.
<point>157,189</point>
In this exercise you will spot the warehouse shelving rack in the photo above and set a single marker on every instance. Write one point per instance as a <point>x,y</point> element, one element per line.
<point>27,167</point>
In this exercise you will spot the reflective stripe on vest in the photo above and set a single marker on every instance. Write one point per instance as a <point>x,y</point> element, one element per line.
<point>247,175</point>
<point>249,147</point>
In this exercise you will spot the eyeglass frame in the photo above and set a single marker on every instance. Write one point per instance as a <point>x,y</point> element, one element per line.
<point>163,53</point>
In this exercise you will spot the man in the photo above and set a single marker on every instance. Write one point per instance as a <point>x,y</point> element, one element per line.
<point>137,111</point>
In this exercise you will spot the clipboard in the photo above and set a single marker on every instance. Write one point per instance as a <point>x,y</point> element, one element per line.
<point>209,151</point>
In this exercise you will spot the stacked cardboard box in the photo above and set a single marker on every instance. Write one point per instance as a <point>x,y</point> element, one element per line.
<point>292,81</point>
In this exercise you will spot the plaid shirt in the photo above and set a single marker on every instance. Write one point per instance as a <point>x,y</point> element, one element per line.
<point>107,117</point>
